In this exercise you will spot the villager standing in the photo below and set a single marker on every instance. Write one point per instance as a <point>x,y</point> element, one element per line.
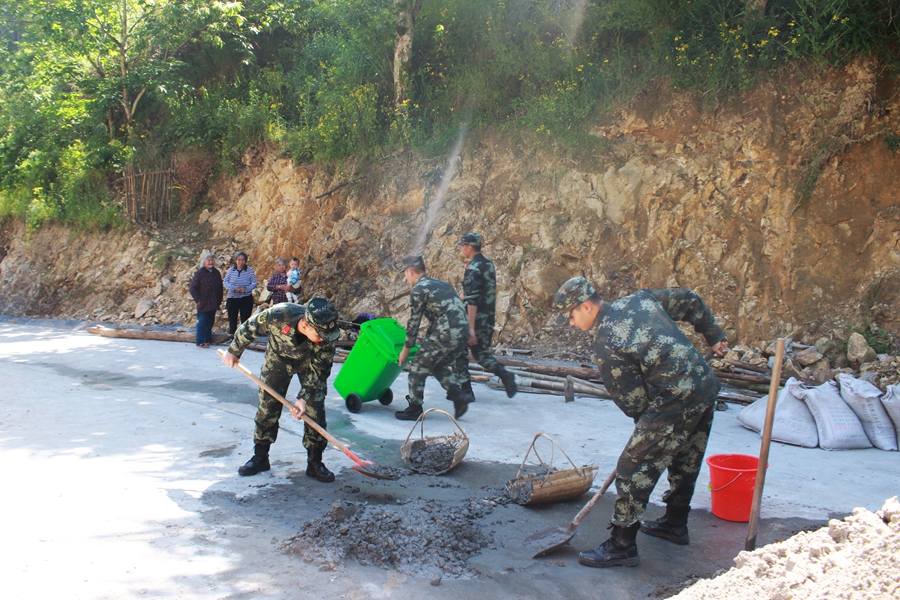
<point>660,380</point>
<point>445,339</point>
<point>480,299</point>
<point>240,280</point>
<point>206,290</point>
<point>302,343</point>
<point>278,282</point>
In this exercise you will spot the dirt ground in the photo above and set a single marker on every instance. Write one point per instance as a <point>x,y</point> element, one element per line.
<point>120,462</point>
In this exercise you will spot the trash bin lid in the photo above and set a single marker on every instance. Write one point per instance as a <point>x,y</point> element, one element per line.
<point>386,335</point>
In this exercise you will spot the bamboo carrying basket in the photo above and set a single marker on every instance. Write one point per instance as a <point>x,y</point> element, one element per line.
<point>551,486</point>
<point>458,440</point>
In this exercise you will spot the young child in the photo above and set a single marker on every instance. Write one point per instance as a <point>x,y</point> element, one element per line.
<point>293,279</point>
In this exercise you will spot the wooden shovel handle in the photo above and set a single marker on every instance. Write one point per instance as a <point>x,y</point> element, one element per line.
<point>281,399</point>
<point>750,542</point>
<point>587,507</point>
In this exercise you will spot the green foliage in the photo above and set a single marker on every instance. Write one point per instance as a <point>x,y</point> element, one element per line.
<point>315,77</point>
<point>880,340</point>
<point>893,142</point>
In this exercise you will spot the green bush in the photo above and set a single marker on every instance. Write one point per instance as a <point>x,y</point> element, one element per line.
<point>315,78</point>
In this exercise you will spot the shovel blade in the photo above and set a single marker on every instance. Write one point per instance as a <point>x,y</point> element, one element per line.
<point>550,540</point>
<point>375,472</point>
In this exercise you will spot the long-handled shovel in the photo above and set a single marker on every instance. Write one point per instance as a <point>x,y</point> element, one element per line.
<point>750,543</point>
<point>366,467</point>
<point>554,538</point>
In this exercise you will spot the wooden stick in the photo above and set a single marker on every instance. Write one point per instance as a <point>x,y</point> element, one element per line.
<point>749,367</point>
<point>281,399</point>
<point>499,350</point>
<point>560,371</point>
<point>764,448</point>
<point>149,334</point>
<point>742,377</point>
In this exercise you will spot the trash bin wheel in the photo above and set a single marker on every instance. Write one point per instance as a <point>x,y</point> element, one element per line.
<point>354,403</point>
<point>387,397</point>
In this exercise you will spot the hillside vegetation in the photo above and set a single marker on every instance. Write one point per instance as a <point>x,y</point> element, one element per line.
<point>90,86</point>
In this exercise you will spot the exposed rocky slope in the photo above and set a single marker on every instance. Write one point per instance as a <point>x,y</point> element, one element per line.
<point>780,207</point>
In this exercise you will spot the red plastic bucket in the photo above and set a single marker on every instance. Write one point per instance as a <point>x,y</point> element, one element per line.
<point>732,478</point>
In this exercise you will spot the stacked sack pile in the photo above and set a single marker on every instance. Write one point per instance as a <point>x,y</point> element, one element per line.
<point>844,415</point>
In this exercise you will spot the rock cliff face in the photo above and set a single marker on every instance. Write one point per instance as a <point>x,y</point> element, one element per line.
<point>780,207</point>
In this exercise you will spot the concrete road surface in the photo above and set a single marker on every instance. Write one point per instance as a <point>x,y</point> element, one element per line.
<point>120,481</point>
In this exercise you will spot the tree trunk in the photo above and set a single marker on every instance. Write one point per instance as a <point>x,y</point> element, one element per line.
<point>123,67</point>
<point>403,41</point>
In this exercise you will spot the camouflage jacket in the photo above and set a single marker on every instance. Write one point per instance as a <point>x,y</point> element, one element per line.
<point>480,286</point>
<point>437,301</point>
<point>646,361</point>
<point>279,324</point>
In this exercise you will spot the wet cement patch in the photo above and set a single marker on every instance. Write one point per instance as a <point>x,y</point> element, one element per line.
<point>236,393</point>
<point>421,538</point>
<point>219,452</point>
<point>275,516</point>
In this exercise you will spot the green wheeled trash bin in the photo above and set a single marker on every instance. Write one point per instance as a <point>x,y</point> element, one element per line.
<point>371,367</point>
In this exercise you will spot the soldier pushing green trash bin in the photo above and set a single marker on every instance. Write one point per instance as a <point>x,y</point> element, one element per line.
<point>446,339</point>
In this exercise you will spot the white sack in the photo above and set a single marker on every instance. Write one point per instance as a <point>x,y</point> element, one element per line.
<point>838,427</point>
<point>793,423</point>
<point>863,398</point>
<point>891,403</point>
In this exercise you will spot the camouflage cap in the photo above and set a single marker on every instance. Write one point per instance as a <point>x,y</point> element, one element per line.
<point>323,316</point>
<point>471,239</point>
<point>413,260</point>
<point>571,294</point>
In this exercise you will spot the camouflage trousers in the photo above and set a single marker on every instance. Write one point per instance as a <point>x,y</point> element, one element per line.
<point>660,442</point>
<point>484,333</point>
<point>278,372</point>
<point>437,356</point>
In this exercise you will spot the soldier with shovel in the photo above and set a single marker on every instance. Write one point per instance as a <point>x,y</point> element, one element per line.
<point>658,378</point>
<point>302,342</point>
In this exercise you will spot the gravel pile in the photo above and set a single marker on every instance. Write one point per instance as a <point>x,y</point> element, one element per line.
<point>856,558</point>
<point>521,492</point>
<point>421,538</point>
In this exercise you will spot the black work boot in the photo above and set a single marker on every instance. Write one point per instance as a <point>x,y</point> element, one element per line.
<point>258,462</point>
<point>466,387</point>
<point>411,413</point>
<point>672,526</point>
<point>508,379</point>
<point>620,550</point>
<point>315,467</point>
<point>461,400</point>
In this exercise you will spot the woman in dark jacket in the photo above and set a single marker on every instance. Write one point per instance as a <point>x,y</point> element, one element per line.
<point>206,290</point>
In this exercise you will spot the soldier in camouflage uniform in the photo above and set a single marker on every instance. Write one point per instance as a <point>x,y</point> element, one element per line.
<point>444,343</point>
<point>480,298</point>
<point>659,379</point>
<point>301,342</point>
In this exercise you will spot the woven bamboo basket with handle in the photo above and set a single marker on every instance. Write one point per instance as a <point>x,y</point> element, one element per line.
<point>549,485</point>
<point>458,440</point>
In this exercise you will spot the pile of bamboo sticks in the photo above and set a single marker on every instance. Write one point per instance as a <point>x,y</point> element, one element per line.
<point>742,383</point>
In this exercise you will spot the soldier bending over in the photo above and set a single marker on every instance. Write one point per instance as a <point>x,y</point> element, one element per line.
<point>301,342</point>
<point>659,379</point>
